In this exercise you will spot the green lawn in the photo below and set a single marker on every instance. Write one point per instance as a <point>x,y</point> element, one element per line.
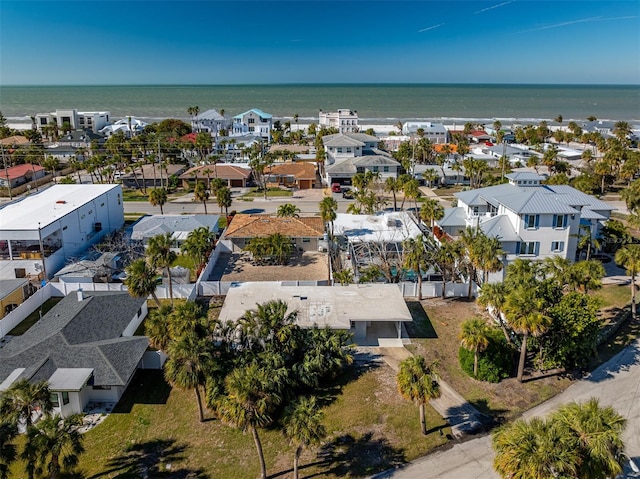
<point>33,318</point>
<point>613,295</point>
<point>271,192</point>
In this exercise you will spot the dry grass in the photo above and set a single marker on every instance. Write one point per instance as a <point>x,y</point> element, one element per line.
<point>238,267</point>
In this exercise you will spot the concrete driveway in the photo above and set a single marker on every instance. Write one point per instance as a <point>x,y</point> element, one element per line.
<point>616,383</point>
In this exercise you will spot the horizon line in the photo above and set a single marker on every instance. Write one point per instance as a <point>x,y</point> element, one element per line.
<point>316,84</point>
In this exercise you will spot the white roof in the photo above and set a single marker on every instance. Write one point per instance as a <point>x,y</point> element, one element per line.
<point>49,205</point>
<point>15,374</point>
<point>69,379</point>
<point>332,306</point>
<point>385,227</point>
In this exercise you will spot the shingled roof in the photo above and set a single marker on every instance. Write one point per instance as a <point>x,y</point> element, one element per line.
<point>252,226</point>
<point>79,334</point>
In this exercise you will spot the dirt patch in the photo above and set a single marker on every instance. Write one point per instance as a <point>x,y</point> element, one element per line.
<point>504,400</point>
<point>308,266</point>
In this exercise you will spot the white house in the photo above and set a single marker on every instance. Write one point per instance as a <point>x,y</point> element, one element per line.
<point>84,347</point>
<point>435,132</point>
<point>40,232</point>
<point>532,220</point>
<point>130,126</point>
<point>253,122</point>
<point>345,120</point>
<point>78,120</point>
<point>352,153</point>
<point>178,225</point>
<point>374,313</point>
<point>210,121</point>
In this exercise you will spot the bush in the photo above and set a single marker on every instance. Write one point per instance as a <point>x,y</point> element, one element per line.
<point>494,363</point>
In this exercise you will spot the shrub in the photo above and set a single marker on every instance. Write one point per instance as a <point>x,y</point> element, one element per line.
<point>494,363</point>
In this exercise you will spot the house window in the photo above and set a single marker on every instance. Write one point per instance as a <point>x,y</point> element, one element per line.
<point>251,121</point>
<point>306,240</point>
<point>531,221</point>
<point>349,150</point>
<point>527,248</point>
<point>65,397</point>
<point>55,399</point>
<point>559,221</point>
<point>475,211</point>
<point>375,169</point>
<point>557,246</point>
<point>339,150</point>
<point>385,169</point>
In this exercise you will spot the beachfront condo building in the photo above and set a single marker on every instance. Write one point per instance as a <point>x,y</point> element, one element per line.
<point>77,120</point>
<point>436,133</point>
<point>345,120</point>
<point>532,220</point>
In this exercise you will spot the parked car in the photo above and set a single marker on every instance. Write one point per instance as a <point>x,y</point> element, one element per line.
<point>348,194</point>
<point>336,188</point>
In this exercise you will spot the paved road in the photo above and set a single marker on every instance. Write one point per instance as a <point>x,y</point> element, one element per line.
<point>615,383</point>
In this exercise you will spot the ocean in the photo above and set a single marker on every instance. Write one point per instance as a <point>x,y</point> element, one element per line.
<point>375,103</point>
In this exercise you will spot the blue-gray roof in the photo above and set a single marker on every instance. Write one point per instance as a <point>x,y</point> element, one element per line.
<point>80,334</point>
<point>453,217</point>
<point>179,225</point>
<point>500,227</point>
<point>257,111</point>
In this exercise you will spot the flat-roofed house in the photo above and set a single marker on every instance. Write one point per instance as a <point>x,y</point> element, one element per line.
<point>344,120</point>
<point>40,232</point>
<point>84,347</point>
<point>305,232</point>
<point>374,313</point>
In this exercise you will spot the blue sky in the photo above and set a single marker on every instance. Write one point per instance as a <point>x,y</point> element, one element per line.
<point>231,42</point>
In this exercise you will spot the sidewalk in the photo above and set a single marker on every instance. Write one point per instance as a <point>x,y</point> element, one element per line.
<point>615,383</point>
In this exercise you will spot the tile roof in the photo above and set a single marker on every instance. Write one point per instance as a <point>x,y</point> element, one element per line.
<point>220,170</point>
<point>252,226</point>
<point>15,140</point>
<point>300,170</point>
<point>80,334</point>
<point>19,171</point>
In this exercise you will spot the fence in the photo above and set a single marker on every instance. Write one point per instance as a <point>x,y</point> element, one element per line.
<point>19,314</point>
<point>432,289</point>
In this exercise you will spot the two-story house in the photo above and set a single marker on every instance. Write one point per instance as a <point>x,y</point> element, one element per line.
<point>351,153</point>
<point>210,121</point>
<point>532,220</point>
<point>253,122</point>
<point>344,120</point>
<point>436,133</point>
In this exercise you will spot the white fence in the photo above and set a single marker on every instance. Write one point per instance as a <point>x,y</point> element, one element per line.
<point>19,314</point>
<point>432,289</point>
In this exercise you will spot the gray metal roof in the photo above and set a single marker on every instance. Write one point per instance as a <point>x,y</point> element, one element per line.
<point>209,115</point>
<point>500,227</point>
<point>150,226</point>
<point>80,334</point>
<point>453,217</point>
<point>524,175</point>
<point>8,286</point>
<point>340,139</point>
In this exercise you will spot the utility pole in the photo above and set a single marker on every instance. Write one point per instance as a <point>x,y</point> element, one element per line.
<point>6,170</point>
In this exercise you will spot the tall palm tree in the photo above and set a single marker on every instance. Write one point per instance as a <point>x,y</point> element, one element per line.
<point>8,450</point>
<point>198,245</point>
<point>525,313</point>
<point>288,210</point>
<point>141,280</point>
<point>53,444</point>
<point>158,197</point>
<point>494,295</point>
<point>533,449</point>
<point>595,433</point>
<point>431,211</point>
<point>201,193</point>
<point>417,258</point>
<point>474,336</point>
<point>160,255</point>
<point>303,426</point>
<point>328,209</point>
<point>23,399</point>
<point>188,365</point>
<point>629,257</point>
<point>418,382</point>
<point>393,185</point>
<point>223,198</point>
<point>157,328</point>
<point>249,403</point>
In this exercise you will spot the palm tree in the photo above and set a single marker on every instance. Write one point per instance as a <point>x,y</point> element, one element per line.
<point>250,399</point>
<point>594,432</point>
<point>288,209</point>
<point>201,193</point>
<point>474,336</point>
<point>53,444</point>
<point>23,398</point>
<point>533,449</point>
<point>157,328</point>
<point>303,426</point>
<point>494,295</point>
<point>328,209</point>
<point>8,450</point>
<point>161,255</point>
<point>431,211</point>
<point>188,365</point>
<point>393,185</point>
<point>344,277</point>
<point>431,176</point>
<point>525,313</point>
<point>141,280</point>
<point>629,257</point>
<point>223,198</point>
<point>417,258</point>
<point>418,382</point>
<point>587,275</point>
<point>198,245</point>
<point>158,197</point>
